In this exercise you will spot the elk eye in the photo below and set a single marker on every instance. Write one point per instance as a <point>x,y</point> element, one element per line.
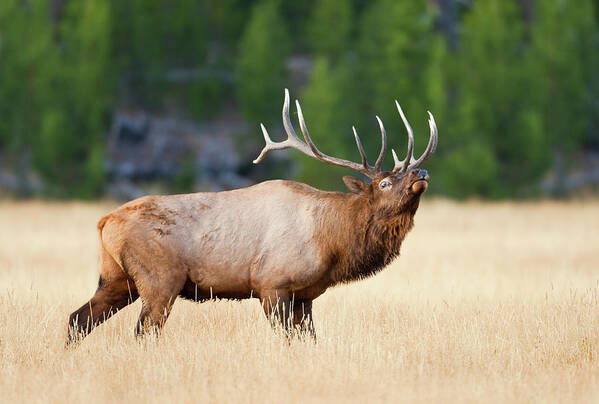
<point>384,184</point>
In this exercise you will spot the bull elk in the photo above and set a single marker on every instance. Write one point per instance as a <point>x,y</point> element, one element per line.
<point>282,242</point>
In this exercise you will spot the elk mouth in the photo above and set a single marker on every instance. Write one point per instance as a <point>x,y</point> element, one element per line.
<point>419,186</point>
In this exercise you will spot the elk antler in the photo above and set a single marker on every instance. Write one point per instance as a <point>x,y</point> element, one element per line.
<point>409,162</point>
<point>310,149</point>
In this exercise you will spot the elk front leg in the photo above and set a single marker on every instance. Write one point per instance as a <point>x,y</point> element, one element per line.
<point>159,279</point>
<point>277,307</point>
<point>302,318</point>
<point>153,315</point>
<point>157,301</point>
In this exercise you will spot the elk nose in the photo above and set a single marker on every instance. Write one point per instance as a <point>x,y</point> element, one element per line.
<point>420,173</point>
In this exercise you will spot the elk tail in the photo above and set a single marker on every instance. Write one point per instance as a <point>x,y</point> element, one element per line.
<point>101,249</point>
<point>101,224</point>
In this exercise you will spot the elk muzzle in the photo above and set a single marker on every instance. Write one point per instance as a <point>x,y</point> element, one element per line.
<point>419,181</point>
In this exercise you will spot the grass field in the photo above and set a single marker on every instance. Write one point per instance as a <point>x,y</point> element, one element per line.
<point>488,303</point>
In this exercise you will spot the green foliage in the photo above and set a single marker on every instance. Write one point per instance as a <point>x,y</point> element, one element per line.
<point>467,171</point>
<point>167,34</point>
<point>261,69</point>
<point>330,102</point>
<point>565,73</point>
<point>515,94</point>
<point>397,48</point>
<point>330,28</point>
<point>186,177</point>
<point>495,103</point>
<point>162,53</point>
<point>59,113</point>
<point>565,67</point>
<point>25,53</point>
<point>328,112</point>
<point>26,60</point>
<point>225,19</point>
<point>74,121</point>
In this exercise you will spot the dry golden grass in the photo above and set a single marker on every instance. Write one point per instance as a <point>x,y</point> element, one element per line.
<point>488,303</point>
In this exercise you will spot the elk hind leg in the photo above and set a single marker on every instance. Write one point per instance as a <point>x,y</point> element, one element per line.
<point>115,291</point>
<point>302,318</point>
<point>277,307</point>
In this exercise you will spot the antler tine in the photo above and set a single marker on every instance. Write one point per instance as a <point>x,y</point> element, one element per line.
<point>433,128</point>
<point>292,141</point>
<point>379,161</point>
<point>432,142</point>
<point>360,148</point>
<point>410,154</point>
<point>397,163</point>
<point>304,129</point>
<point>268,147</point>
<point>286,120</point>
<point>366,170</point>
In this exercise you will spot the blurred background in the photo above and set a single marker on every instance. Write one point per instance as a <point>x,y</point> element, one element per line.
<point>112,98</point>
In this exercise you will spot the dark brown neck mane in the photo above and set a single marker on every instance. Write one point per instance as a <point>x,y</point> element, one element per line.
<point>358,240</point>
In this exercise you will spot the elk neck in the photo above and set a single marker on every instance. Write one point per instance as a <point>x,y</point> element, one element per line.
<point>358,239</point>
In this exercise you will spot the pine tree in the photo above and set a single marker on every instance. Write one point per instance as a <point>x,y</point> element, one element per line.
<point>566,63</point>
<point>330,28</point>
<point>26,55</point>
<point>498,146</point>
<point>261,70</point>
<point>70,148</point>
<point>400,58</point>
<point>330,110</point>
<point>162,53</point>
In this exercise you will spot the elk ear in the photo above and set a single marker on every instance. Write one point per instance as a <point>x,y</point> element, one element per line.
<point>355,185</point>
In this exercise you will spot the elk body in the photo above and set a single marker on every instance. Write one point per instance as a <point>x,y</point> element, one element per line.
<point>282,242</point>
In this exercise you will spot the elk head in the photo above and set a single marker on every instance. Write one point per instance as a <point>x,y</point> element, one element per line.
<point>398,189</point>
